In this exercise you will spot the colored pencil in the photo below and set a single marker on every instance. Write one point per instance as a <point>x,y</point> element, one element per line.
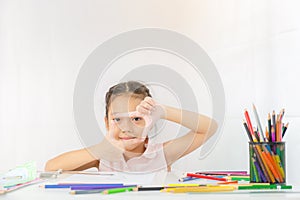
<point>271,166</point>
<point>274,125</point>
<point>86,191</point>
<point>258,124</point>
<point>227,182</point>
<point>269,127</point>
<point>273,134</point>
<point>57,186</point>
<point>277,158</point>
<point>262,164</point>
<point>284,129</point>
<point>184,179</point>
<point>227,173</point>
<point>256,134</point>
<point>201,189</point>
<point>151,188</point>
<point>206,177</point>
<point>257,187</point>
<point>119,190</point>
<point>99,187</point>
<point>257,176</point>
<point>261,174</point>
<point>250,125</point>
<point>248,131</point>
<point>267,135</point>
<point>184,185</point>
<point>239,178</point>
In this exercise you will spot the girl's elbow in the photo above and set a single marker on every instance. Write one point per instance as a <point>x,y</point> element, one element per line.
<point>213,127</point>
<point>50,166</point>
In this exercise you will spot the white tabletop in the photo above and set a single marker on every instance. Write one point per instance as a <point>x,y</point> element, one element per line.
<point>36,192</point>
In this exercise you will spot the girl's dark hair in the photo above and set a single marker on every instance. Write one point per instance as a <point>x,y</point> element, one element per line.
<point>130,87</point>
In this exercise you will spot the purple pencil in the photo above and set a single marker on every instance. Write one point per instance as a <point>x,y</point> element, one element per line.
<point>99,187</point>
<point>228,173</point>
<point>261,174</point>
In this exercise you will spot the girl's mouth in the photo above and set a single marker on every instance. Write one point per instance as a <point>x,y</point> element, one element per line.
<point>127,138</point>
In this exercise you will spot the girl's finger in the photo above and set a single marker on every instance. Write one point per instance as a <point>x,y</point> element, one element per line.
<point>149,100</point>
<point>146,105</point>
<point>143,110</point>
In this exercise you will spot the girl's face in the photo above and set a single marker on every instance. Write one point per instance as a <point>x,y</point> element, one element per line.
<point>124,126</point>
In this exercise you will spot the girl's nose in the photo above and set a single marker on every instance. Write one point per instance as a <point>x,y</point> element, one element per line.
<point>126,126</point>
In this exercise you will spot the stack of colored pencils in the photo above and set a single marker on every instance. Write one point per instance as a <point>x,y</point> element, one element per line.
<point>267,151</point>
<point>172,188</point>
<point>274,131</point>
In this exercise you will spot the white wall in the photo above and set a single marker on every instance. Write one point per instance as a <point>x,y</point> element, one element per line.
<point>253,43</point>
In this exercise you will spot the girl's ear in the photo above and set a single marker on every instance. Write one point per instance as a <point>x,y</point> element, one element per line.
<point>106,123</point>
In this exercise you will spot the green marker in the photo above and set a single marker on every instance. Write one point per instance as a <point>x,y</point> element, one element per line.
<point>119,190</point>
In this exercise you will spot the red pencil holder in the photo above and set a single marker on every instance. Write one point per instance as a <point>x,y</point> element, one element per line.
<point>267,162</point>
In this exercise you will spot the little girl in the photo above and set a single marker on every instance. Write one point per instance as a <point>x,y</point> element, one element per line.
<point>128,146</point>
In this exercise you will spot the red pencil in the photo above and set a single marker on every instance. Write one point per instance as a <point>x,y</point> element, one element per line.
<point>250,126</point>
<point>205,177</point>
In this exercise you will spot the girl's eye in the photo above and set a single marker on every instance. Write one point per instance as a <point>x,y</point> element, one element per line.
<point>136,119</point>
<point>116,119</point>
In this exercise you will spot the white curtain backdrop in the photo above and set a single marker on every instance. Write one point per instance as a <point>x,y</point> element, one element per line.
<point>254,44</point>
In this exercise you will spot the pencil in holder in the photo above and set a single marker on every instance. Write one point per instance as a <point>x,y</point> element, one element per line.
<point>267,162</point>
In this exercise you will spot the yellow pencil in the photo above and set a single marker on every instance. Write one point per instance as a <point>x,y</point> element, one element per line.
<point>279,164</point>
<point>201,189</point>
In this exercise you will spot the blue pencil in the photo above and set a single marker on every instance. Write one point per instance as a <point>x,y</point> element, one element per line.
<point>188,178</point>
<point>99,187</point>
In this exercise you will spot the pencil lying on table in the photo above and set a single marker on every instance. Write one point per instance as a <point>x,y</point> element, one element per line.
<point>200,189</point>
<point>206,177</point>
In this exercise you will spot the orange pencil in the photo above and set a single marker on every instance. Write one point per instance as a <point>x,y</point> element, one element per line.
<point>272,162</point>
<point>278,132</point>
<point>267,135</point>
<point>272,179</point>
<point>271,167</point>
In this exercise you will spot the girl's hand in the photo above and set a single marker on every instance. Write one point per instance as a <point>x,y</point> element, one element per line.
<point>149,108</point>
<point>108,149</point>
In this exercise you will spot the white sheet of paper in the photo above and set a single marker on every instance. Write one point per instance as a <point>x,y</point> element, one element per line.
<point>115,177</point>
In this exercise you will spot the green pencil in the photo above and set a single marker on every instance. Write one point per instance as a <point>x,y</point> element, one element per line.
<point>263,187</point>
<point>119,190</point>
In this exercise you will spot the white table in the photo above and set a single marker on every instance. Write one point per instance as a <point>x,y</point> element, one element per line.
<point>36,192</point>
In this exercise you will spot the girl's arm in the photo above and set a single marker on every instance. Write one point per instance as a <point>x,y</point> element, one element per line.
<point>201,129</point>
<point>74,160</point>
<point>87,157</point>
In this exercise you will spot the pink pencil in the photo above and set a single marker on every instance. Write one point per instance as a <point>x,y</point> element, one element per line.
<point>205,177</point>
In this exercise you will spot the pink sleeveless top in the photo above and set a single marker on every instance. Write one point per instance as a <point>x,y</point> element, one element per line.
<point>153,159</point>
